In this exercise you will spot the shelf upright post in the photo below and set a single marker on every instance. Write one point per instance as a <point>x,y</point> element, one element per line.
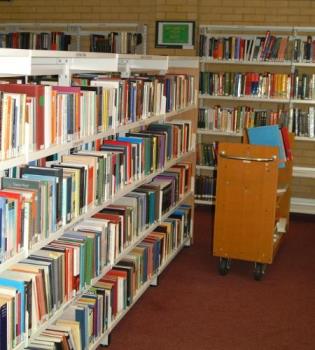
<point>154,282</point>
<point>294,35</point>
<point>144,38</point>
<point>105,340</point>
<point>65,77</point>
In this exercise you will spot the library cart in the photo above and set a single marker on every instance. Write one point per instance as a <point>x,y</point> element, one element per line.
<point>252,210</point>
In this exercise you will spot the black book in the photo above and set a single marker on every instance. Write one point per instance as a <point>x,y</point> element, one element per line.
<point>3,326</point>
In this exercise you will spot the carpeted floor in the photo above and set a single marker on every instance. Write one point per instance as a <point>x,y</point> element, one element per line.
<point>195,308</point>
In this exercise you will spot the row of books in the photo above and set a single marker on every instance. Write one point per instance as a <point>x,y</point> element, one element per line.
<point>304,50</point>
<point>302,122</point>
<point>35,288</point>
<point>235,119</point>
<point>94,312</point>
<point>120,286</point>
<point>205,187</point>
<point>58,194</point>
<point>111,42</point>
<point>35,41</point>
<point>257,48</point>
<point>145,95</point>
<point>207,153</point>
<point>48,278</point>
<point>35,117</point>
<point>303,86</point>
<point>246,48</point>
<point>261,85</point>
<point>116,42</point>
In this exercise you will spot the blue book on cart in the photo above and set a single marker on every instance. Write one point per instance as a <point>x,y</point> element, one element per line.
<point>269,135</point>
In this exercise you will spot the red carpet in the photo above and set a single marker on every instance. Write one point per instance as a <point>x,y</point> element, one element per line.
<point>195,308</point>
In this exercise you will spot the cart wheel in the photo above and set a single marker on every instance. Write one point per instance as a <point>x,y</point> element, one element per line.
<point>259,271</point>
<point>224,266</point>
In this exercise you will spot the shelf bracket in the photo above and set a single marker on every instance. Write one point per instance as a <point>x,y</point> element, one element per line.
<point>64,79</point>
<point>106,340</point>
<point>154,282</point>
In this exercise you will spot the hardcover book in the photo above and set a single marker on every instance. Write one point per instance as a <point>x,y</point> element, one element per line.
<point>269,135</point>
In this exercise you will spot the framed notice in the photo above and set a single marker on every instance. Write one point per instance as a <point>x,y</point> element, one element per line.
<point>175,34</point>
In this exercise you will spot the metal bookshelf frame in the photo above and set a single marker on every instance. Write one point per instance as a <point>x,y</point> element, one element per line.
<point>17,62</point>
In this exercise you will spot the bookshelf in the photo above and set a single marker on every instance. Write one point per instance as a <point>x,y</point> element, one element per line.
<point>180,116</point>
<point>112,37</point>
<point>233,55</point>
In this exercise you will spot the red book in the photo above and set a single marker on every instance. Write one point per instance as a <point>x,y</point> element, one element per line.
<point>37,91</point>
<point>265,45</point>
<point>97,144</point>
<point>242,49</point>
<point>40,293</point>
<point>270,47</point>
<point>248,84</point>
<point>286,143</point>
<point>53,45</point>
<point>220,49</point>
<point>105,216</point>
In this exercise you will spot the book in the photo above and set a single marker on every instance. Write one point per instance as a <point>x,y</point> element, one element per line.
<point>286,143</point>
<point>38,92</point>
<point>269,135</point>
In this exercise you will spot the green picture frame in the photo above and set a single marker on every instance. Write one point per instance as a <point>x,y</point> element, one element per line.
<point>175,34</point>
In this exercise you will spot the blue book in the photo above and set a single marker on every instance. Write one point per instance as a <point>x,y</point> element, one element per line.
<point>131,104</point>
<point>269,135</point>
<point>20,287</point>
<point>81,316</point>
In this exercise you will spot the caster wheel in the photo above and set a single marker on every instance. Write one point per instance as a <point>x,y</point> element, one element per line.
<point>259,271</point>
<point>224,266</point>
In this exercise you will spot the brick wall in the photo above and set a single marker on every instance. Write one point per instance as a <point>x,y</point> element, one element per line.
<point>256,12</point>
